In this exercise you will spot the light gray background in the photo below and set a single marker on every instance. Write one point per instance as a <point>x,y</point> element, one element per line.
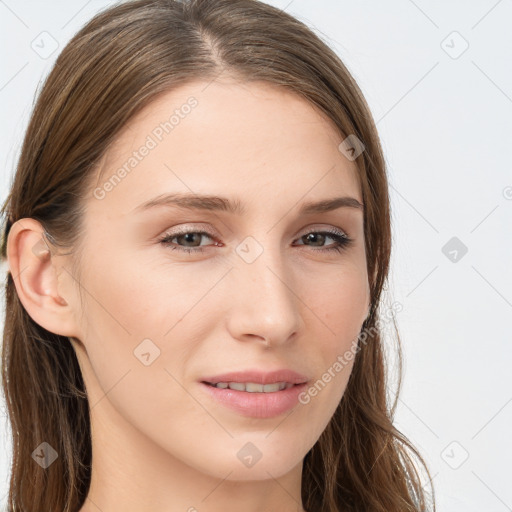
<point>444,114</point>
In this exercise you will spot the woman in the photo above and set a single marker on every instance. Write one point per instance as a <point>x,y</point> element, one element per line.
<point>198,234</point>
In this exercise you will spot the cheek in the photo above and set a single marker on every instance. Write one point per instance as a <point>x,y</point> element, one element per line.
<point>135,308</point>
<point>128,313</point>
<point>139,299</point>
<point>340,300</point>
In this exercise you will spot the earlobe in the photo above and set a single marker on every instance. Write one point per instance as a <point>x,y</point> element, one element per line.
<point>34,271</point>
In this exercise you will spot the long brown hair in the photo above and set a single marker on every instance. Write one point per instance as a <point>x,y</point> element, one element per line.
<point>113,67</point>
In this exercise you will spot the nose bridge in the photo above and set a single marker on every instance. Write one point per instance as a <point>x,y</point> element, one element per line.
<point>265,303</point>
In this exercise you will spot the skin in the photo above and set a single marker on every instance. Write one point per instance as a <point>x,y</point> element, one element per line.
<point>160,443</point>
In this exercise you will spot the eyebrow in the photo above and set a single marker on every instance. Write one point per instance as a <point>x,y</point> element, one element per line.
<point>223,204</point>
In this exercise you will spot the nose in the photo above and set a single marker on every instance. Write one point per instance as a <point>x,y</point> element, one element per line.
<point>264,304</point>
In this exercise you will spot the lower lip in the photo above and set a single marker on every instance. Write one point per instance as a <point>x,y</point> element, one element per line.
<point>257,405</point>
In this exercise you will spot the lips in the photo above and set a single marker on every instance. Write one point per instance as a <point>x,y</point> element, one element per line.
<point>257,377</point>
<point>255,404</point>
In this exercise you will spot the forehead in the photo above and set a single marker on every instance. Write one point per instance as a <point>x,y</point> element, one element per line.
<point>250,140</point>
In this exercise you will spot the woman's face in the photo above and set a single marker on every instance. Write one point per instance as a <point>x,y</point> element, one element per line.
<point>256,286</point>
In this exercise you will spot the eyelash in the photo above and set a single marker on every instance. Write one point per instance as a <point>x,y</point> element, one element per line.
<point>342,241</point>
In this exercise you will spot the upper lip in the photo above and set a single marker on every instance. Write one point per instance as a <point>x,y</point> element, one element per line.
<point>258,377</point>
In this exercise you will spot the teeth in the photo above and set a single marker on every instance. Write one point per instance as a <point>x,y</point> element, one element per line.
<point>252,387</point>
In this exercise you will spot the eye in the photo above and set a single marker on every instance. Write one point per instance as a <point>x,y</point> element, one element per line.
<point>341,240</point>
<point>188,237</point>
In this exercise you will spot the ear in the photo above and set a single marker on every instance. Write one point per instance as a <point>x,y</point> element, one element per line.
<point>34,269</point>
